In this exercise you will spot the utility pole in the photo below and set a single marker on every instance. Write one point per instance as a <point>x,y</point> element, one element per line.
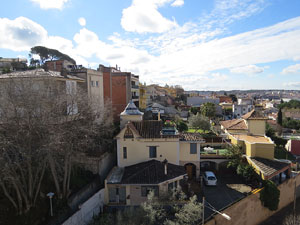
<point>203,206</point>
<point>295,204</point>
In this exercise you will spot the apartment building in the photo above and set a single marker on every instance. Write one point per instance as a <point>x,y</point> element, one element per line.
<point>93,84</point>
<point>51,82</point>
<point>119,88</point>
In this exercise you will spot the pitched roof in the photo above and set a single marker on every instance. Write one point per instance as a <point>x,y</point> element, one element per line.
<point>253,114</point>
<point>269,167</point>
<point>151,172</point>
<point>131,109</point>
<point>191,137</point>
<point>236,124</point>
<point>150,129</point>
<point>157,105</point>
<point>38,73</point>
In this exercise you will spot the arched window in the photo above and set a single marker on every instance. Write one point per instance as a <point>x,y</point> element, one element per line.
<point>128,133</point>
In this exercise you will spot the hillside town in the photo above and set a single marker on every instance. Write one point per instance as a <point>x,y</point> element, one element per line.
<point>98,146</point>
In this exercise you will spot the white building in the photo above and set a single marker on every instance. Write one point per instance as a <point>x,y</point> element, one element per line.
<point>243,106</point>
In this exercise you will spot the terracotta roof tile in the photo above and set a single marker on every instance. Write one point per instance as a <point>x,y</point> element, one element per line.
<point>191,137</point>
<point>253,114</point>
<point>236,124</point>
<point>269,167</point>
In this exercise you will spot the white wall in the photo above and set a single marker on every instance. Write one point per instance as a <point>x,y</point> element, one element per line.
<point>92,207</point>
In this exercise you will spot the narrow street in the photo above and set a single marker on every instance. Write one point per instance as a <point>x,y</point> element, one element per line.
<point>279,217</point>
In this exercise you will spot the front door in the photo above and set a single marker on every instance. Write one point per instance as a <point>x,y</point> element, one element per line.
<point>189,171</point>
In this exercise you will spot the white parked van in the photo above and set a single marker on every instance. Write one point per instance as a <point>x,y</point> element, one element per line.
<point>210,178</point>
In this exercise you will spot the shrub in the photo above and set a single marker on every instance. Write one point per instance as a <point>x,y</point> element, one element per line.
<point>269,195</point>
<point>182,126</point>
<point>246,171</point>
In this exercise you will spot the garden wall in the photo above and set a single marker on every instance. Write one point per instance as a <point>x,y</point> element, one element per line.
<point>249,211</point>
<point>92,207</point>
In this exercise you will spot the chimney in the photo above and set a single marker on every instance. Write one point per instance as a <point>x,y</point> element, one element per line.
<point>165,163</point>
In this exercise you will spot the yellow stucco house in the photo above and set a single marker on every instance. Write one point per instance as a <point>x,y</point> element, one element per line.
<point>150,156</point>
<point>249,133</point>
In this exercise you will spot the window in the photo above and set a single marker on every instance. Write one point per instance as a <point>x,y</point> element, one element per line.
<point>124,153</point>
<point>146,189</point>
<point>117,194</point>
<point>152,151</point>
<point>128,133</point>
<point>173,185</point>
<point>112,192</point>
<point>92,83</point>
<point>97,83</point>
<point>193,148</point>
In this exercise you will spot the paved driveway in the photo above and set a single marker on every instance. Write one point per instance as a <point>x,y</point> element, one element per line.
<point>221,195</point>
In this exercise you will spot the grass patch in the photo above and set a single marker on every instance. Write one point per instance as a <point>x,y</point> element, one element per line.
<point>192,130</point>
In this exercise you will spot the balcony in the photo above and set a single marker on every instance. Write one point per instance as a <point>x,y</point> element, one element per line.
<point>208,152</point>
<point>134,86</point>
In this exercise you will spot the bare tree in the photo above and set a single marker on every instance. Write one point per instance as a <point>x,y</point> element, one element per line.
<point>23,142</point>
<point>43,124</point>
<point>89,130</point>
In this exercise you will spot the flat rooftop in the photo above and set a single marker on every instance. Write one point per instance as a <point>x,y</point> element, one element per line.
<point>253,138</point>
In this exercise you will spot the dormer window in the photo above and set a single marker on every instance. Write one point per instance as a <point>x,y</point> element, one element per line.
<point>128,133</point>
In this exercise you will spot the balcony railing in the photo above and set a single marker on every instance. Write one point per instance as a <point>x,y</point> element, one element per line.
<point>135,97</point>
<point>213,152</point>
<point>135,86</point>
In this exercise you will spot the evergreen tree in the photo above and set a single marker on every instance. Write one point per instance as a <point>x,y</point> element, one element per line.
<point>279,117</point>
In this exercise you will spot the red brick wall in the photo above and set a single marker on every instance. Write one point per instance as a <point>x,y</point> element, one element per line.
<point>106,85</point>
<point>59,65</point>
<point>118,94</point>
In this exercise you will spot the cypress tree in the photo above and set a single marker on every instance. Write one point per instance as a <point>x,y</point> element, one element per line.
<point>279,117</point>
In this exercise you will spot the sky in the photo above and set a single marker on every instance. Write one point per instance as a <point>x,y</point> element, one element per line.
<point>198,44</point>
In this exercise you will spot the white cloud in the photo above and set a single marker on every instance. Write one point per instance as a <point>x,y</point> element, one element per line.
<point>293,69</point>
<point>177,3</point>
<point>219,77</point>
<point>50,4</point>
<point>249,69</point>
<point>292,84</point>
<point>82,21</point>
<point>296,58</point>
<point>179,56</point>
<point>20,34</point>
<point>143,17</point>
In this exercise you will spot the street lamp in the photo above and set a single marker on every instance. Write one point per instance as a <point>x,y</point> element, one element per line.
<point>213,209</point>
<point>50,195</point>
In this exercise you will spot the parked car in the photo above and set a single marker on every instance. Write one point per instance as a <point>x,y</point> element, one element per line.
<point>210,178</point>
